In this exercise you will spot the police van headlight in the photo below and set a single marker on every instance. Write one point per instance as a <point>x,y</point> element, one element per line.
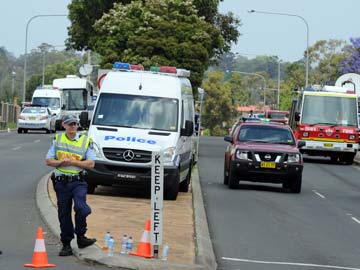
<point>97,151</point>
<point>169,155</point>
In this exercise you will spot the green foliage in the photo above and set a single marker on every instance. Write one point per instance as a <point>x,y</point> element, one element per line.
<point>158,32</point>
<point>326,56</point>
<point>217,107</point>
<point>83,14</point>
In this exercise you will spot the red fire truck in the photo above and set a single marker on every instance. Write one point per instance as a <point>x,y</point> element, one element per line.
<point>326,119</point>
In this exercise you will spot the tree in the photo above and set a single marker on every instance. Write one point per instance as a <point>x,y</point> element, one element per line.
<point>325,56</point>
<point>84,13</point>
<point>158,32</point>
<point>217,108</point>
<point>351,62</point>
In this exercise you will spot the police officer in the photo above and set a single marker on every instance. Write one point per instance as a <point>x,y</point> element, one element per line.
<point>71,153</point>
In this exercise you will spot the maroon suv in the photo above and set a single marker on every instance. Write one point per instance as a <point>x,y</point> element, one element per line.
<point>263,152</point>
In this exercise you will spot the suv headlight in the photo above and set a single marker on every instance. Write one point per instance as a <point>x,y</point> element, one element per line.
<point>169,155</point>
<point>241,154</point>
<point>293,158</point>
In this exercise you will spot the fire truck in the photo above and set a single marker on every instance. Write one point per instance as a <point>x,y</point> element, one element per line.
<point>326,119</point>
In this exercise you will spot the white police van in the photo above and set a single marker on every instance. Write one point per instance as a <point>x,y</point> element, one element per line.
<point>137,112</point>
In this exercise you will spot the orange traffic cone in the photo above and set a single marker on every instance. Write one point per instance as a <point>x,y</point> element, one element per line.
<point>39,258</point>
<point>144,248</point>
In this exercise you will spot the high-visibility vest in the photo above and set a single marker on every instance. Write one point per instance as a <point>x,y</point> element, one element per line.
<point>65,148</point>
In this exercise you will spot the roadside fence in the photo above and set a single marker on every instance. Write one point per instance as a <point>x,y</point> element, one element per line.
<point>8,114</point>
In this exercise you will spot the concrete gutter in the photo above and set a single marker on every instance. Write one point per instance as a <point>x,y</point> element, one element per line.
<point>205,258</point>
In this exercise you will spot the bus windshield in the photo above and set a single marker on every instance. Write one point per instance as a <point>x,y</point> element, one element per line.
<point>329,110</point>
<point>51,102</point>
<point>75,99</point>
<point>137,112</point>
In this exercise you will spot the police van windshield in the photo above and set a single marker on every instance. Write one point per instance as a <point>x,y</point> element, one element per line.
<point>47,102</point>
<point>75,99</point>
<point>329,110</point>
<point>136,112</point>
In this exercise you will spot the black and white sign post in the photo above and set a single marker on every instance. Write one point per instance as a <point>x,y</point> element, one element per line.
<point>157,189</point>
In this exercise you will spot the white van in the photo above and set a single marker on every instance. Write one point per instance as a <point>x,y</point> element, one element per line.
<point>138,112</point>
<point>77,95</point>
<point>47,96</point>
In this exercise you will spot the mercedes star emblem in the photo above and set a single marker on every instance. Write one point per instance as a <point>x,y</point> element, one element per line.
<point>128,155</point>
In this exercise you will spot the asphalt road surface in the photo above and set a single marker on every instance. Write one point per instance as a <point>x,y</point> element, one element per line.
<point>21,167</point>
<point>261,227</point>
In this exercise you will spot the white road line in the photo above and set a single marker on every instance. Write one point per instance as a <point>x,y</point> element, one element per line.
<point>355,219</point>
<point>319,194</point>
<point>17,148</point>
<point>290,263</point>
<point>36,141</point>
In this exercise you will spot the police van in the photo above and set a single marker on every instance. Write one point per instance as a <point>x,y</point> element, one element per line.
<point>77,96</point>
<point>138,112</point>
<point>47,96</point>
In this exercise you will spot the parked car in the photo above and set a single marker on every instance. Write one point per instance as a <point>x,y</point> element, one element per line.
<point>36,118</point>
<point>262,151</point>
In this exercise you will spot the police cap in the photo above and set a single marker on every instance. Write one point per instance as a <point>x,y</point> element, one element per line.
<point>71,118</point>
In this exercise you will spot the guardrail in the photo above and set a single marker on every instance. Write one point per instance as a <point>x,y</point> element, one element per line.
<point>8,114</point>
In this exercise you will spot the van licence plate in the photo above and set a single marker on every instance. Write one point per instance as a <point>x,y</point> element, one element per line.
<point>270,165</point>
<point>328,145</point>
<point>125,176</point>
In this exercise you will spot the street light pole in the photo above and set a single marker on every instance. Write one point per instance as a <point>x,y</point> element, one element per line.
<point>279,77</point>
<point>307,37</point>
<point>278,91</point>
<point>13,84</point>
<point>26,42</point>
<point>254,74</point>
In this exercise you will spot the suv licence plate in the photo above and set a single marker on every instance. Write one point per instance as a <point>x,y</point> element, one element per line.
<point>270,165</point>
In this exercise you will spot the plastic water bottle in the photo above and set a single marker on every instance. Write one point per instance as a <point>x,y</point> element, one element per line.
<point>165,253</point>
<point>129,245</point>
<point>106,239</point>
<point>111,246</point>
<point>123,244</point>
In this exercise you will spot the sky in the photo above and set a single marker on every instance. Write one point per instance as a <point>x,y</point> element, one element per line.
<point>261,34</point>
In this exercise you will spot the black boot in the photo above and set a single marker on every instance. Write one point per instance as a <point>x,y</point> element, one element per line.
<point>66,250</point>
<point>84,242</point>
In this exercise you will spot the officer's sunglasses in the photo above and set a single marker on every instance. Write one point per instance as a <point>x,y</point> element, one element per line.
<point>73,124</point>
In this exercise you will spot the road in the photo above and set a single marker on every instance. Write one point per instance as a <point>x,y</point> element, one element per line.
<point>21,166</point>
<point>261,227</point>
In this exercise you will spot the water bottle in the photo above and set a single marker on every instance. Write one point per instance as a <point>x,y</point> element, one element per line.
<point>111,245</point>
<point>123,244</point>
<point>106,240</point>
<point>129,245</point>
<point>165,253</point>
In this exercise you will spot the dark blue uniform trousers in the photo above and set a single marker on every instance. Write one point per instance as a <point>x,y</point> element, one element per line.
<point>66,194</point>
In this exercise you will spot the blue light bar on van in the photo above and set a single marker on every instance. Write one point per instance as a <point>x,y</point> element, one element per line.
<point>122,66</point>
<point>309,89</point>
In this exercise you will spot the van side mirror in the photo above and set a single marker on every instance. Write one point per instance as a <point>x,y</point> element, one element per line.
<point>228,138</point>
<point>63,107</point>
<point>301,144</point>
<point>84,123</point>
<point>297,116</point>
<point>188,130</point>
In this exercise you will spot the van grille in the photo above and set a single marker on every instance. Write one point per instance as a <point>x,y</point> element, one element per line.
<point>127,155</point>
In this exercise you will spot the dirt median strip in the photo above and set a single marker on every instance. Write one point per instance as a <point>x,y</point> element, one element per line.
<point>190,244</point>
<point>118,213</point>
